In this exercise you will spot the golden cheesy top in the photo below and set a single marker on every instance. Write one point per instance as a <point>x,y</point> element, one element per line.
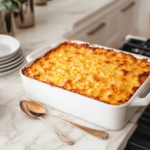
<point>105,75</point>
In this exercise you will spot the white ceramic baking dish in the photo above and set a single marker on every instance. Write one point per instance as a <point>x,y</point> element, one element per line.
<point>105,115</point>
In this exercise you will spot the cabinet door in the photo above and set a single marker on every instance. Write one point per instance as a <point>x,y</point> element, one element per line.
<point>98,33</point>
<point>126,19</point>
<point>95,32</point>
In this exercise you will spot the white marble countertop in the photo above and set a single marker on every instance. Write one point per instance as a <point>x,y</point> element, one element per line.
<point>18,132</point>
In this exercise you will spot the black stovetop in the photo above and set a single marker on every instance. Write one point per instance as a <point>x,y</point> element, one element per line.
<point>137,46</point>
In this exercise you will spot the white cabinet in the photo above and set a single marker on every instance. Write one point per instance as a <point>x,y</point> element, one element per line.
<point>108,26</point>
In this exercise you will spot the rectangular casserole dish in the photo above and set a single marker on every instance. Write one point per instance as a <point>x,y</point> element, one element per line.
<point>106,115</point>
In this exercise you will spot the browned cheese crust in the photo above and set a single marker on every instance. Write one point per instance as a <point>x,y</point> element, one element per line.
<point>101,74</point>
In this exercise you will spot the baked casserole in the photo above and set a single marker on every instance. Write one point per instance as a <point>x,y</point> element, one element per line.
<point>102,74</point>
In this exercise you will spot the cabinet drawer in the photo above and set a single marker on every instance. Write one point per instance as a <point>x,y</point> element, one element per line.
<point>96,32</point>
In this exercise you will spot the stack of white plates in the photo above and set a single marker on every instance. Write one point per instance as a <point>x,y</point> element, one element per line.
<point>11,55</point>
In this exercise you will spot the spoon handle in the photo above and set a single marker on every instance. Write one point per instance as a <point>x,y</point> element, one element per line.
<point>60,135</point>
<point>97,133</point>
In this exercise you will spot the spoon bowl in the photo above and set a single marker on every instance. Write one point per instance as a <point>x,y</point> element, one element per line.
<point>28,113</point>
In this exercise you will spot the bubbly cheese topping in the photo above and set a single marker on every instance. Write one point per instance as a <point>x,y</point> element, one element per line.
<point>101,74</point>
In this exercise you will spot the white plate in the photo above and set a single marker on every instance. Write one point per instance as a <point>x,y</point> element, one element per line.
<point>20,56</point>
<point>8,45</point>
<point>10,58</point>
<point>11,67</point>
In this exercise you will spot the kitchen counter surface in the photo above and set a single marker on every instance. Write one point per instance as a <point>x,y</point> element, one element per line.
<point>18,132</point>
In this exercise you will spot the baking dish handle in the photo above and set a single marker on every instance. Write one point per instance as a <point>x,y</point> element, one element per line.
<point>140,101</point>
<point>40,51</point>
